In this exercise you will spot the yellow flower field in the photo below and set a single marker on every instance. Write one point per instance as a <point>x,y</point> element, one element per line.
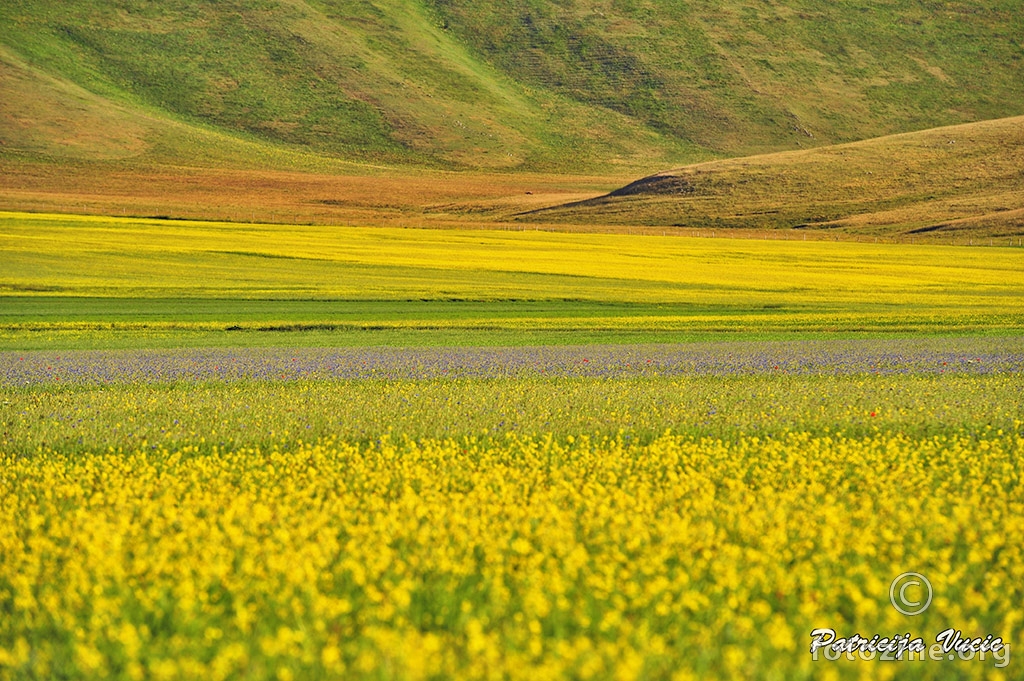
<point>521,558</point>
<point>104,256</point>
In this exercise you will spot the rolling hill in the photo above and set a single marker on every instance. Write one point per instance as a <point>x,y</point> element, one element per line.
<point>938,184</point>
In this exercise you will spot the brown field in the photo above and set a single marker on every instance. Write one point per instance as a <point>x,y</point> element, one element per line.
<point>408,198</point>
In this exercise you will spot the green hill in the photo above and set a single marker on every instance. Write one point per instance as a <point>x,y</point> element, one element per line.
<point>584,85</point>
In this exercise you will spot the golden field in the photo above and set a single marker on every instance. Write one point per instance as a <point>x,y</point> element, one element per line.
<point>111,257</point>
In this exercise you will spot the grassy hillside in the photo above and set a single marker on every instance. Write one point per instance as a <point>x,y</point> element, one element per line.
<point>582,84</point>
<point>370,82</point>
<point>937,184</point>
<point>741,77</point>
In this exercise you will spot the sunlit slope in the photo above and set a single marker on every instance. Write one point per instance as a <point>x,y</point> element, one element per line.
<point>952,181</point>
<point>762,284</point>
<point>581,84</point>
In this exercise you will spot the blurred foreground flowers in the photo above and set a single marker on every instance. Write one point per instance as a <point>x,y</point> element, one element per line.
<point>518,557</point>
